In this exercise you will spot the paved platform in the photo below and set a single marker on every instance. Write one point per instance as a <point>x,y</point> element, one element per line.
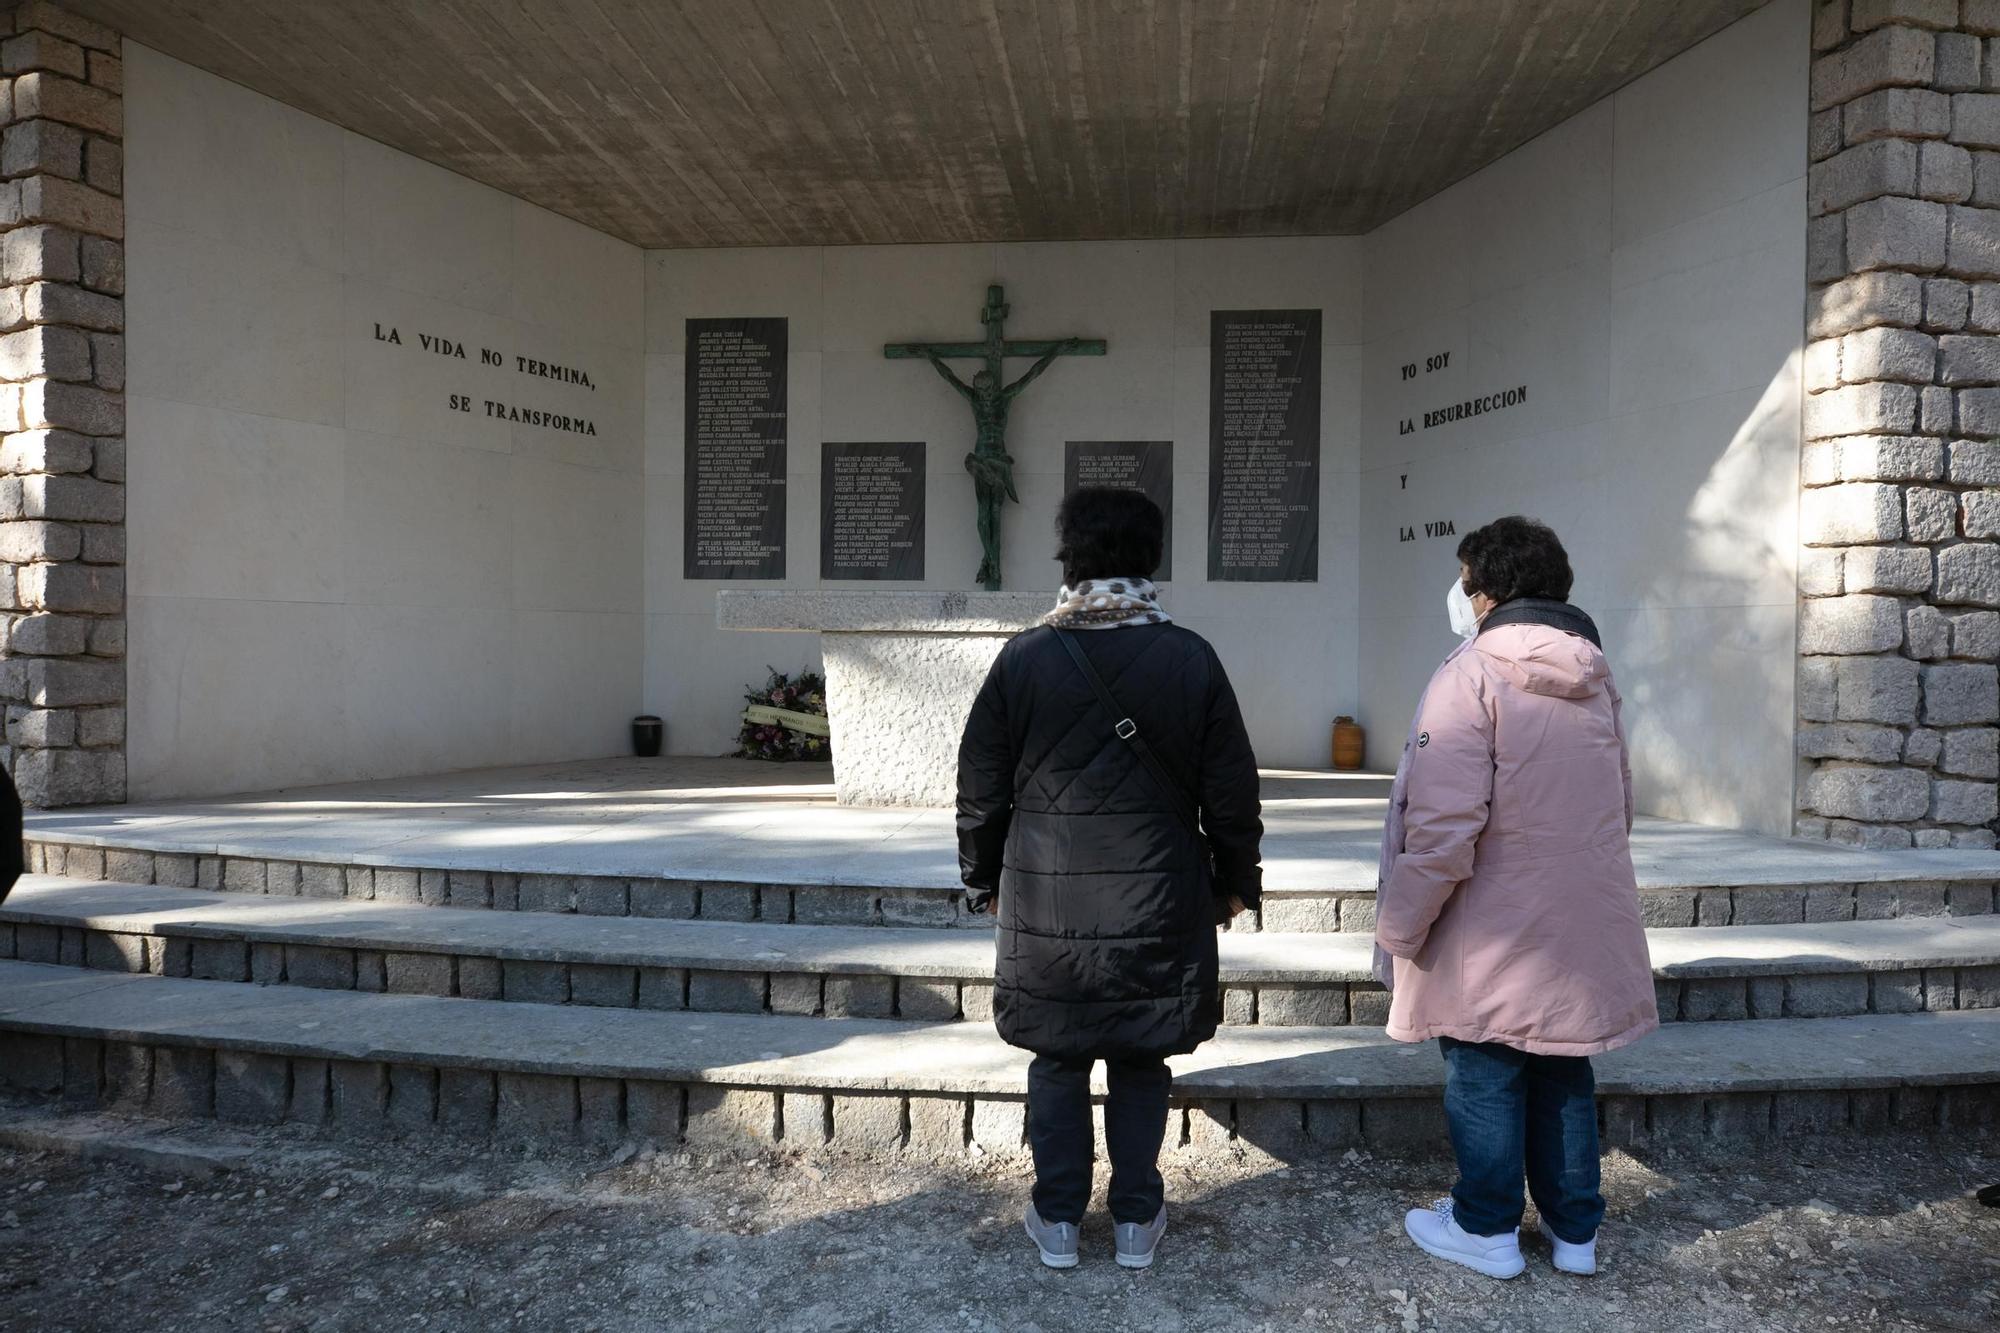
<point>743,821</point>
<point>691,951</point>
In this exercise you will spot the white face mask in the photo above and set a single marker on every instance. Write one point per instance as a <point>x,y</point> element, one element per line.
<point>1464,620</point>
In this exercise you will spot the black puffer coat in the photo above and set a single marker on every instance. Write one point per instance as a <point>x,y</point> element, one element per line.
<point>13,858</point>
<point>1107,907</point>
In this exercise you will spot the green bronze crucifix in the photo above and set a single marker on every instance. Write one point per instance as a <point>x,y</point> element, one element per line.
<point>991,466</point>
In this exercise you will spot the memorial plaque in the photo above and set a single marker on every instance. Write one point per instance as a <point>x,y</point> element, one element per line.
<point>735,478</point>
<point>871,511</point>
<point>1138,465</point>
<point>1263,446</point>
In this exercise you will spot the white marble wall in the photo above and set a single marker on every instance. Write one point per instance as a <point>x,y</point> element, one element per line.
<point>333,575</point>
<point>1641,269</point>
<point>1291,648</point>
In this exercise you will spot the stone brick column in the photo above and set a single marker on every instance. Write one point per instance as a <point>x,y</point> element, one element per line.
<point>1900,572</point>
<point>62,407</point>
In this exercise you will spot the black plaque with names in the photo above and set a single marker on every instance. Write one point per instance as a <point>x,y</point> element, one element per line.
<point>1263,446</point>
<point>871,511</point>
<point>1138,465</point>
<point>735,482</point>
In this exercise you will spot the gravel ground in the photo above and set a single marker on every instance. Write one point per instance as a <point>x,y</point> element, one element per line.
<point>125,1225</point>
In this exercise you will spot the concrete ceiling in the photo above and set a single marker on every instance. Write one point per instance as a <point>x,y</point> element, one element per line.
<point>807,122</point>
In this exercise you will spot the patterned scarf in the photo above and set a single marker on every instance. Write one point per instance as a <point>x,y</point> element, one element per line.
<point>1107,604</point>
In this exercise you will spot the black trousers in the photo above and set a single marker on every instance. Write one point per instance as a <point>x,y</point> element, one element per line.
<point>1135,1124</point>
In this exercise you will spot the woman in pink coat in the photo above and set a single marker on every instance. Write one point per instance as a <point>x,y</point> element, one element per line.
<point>1509,905</point>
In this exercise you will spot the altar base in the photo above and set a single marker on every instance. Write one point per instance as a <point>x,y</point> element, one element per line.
<point>902,669</point>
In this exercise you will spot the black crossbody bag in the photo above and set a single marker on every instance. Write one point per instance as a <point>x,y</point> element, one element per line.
<point>1127,730</point>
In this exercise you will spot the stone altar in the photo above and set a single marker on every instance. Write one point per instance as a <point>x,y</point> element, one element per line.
<point>901,672</point>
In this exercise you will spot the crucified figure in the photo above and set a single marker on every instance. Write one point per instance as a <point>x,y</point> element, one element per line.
<point>991,466</point>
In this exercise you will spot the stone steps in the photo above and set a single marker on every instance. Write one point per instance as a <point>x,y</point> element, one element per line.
<point>1791,885</point>
<point>1895,965</point>
<point>412,1064</point>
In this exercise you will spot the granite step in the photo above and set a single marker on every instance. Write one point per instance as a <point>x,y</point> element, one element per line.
<point>1784,883</point>
<point>1895,965</point>
<point>411,1064</point>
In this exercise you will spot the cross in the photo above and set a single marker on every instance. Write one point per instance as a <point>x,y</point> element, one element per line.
<point>995,345</point>
<point>991,466</point>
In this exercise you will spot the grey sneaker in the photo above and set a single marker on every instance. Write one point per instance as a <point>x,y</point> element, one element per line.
<point>1138,1240</point>
<point>1055,1240</point>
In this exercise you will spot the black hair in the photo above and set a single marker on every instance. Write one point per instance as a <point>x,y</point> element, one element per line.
<point>1108,532</point>
<point>1515,557</point>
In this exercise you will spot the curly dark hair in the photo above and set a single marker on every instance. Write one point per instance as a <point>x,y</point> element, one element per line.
<point>1516,557</point>
<point>1108,532</point>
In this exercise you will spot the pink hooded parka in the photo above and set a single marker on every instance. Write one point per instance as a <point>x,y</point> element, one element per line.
<point>1511,908</point>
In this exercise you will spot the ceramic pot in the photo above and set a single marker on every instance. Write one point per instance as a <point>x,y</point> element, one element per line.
<point>1350,744</point>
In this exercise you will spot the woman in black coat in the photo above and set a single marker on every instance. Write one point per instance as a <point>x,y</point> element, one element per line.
<point>1083,843</point>
<point>13,856</point>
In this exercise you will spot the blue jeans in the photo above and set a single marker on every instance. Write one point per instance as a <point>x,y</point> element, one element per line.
<point>1135,1124</point>
<point>1510,1111</point>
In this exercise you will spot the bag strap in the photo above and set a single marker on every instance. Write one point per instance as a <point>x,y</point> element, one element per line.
<point>1128,731</point>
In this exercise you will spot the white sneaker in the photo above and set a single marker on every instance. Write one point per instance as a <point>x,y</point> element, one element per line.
<point>1578,1259</point>
<point>1054,1241</point>
<point>1437,1232</point>
<point>1137,1241</point>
